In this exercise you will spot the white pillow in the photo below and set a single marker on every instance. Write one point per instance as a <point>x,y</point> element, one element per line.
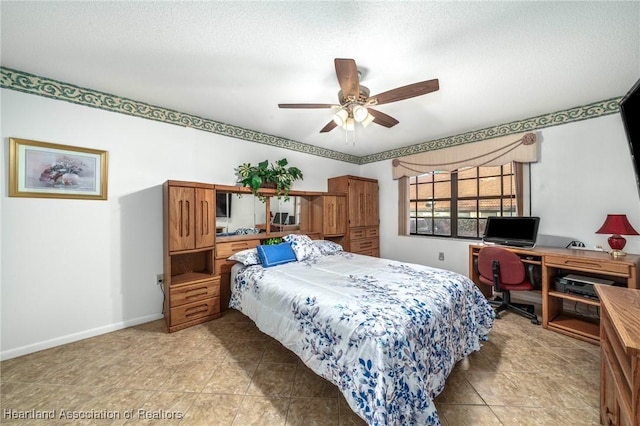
<point>327,247</point>
<point>247,257</point>
<point>302,246</point>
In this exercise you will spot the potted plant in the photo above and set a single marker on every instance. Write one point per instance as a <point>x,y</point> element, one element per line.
<point>276,175</point>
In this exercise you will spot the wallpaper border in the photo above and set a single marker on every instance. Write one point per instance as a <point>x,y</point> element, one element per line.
<point>585,112</point>
<point>42,86</point>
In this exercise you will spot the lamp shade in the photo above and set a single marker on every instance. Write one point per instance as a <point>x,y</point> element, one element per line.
<point>360,113</point>
<point>340,117</point>
<point>617,224</point>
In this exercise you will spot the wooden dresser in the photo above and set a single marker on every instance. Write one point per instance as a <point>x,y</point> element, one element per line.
<point>191,285</point>
<point>362,213</point>
<point>620,356</point>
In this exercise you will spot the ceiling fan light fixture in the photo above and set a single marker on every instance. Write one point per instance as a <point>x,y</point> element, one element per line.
<point>355,103</point>
<point>368,120</point>
<point>360,113</point>
<point>340,117</point>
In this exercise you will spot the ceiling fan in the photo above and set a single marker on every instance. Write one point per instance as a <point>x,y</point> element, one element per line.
<point>356,102</point>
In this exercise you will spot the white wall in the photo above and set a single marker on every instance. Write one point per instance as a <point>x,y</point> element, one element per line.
<point>584,172</point>
<point>71,269</point>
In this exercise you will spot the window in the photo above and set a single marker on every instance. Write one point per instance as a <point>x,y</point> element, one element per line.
<point>456,204</point>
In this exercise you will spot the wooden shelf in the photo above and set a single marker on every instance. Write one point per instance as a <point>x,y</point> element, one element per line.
<point>574,298</point>
<point>582,328</point>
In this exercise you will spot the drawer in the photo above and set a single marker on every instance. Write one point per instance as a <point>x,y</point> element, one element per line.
<point>194,292</point>
<point>358,233</point>
<point>585,264</point>
<point>371,232</point>
<point>195,310</point>
<point>359,246</point>
<point>223,266</point>
<point>224,250</point>
<point>370,252</point>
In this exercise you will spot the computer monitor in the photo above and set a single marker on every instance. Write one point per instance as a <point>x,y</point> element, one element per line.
<point>280,218</point>
<point>516,231</point>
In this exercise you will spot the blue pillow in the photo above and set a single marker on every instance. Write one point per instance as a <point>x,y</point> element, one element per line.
<point>272,255</point>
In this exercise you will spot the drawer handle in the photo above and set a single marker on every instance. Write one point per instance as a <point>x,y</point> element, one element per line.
<point>202,291</point>
<point>585,264</point>
<point>196,310</point>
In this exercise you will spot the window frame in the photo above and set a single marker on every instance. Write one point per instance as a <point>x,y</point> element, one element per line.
<point>515,198</point>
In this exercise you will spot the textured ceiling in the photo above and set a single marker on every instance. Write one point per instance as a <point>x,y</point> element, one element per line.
<point>233,62</point>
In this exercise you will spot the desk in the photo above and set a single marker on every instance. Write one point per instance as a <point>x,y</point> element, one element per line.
<point>557,261</point>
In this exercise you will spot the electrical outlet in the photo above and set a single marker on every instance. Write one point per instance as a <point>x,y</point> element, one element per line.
<point>160,279</point>
<point>441,255</point>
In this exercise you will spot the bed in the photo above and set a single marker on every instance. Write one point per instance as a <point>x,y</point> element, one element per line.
<point>386,333</point>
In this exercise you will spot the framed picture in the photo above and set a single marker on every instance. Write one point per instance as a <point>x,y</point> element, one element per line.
<point>47,170</point>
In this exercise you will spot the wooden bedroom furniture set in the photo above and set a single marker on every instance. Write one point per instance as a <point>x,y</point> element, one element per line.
<point>196,268</point>
<point>617,331</point>
<point>196,272</point>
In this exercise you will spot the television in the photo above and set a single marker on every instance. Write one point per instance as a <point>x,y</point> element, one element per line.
<point>223,204</point>
<point>514,231</point>
<point>630,111</point>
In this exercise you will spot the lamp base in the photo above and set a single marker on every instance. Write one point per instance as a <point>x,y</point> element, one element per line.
<point>617,253</point>
<point>617,243</point>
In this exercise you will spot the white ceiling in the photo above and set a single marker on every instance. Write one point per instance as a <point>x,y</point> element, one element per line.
<point>233,62</point>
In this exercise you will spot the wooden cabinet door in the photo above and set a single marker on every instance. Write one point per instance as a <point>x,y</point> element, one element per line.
<point>357,202</point>
<point>205,229</point>
<point>371,204</point>
<point>181,218</point>
<point>334,215</point>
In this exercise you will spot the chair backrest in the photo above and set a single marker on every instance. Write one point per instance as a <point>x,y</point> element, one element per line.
<point>511,267</point>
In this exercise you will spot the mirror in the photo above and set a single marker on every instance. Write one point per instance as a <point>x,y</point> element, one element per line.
<point>238,214</point>
<point>242,214</point>
<point>285,215</point>
<point>285,212</point>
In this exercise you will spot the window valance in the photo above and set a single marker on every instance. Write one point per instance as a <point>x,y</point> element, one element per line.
<point>520,148</point>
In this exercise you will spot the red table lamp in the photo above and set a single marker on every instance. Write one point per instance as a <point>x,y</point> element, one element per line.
<point>617,225</point>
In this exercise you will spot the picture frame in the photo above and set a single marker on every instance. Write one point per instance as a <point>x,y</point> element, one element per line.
<point>47,170</point>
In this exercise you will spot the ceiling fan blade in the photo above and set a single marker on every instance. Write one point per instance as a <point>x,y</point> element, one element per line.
<point>330,126</point>
<point>382,119</point>
<point>406,92</point>
<point>347,74</point>
<point>305,105</point>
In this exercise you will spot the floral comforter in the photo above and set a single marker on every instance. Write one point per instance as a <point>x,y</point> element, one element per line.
<point>386,333</point>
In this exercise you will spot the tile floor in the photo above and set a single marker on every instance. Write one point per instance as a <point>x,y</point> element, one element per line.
<point>226,372</point>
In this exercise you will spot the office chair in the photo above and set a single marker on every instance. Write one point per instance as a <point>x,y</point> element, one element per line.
<point>505,271</point>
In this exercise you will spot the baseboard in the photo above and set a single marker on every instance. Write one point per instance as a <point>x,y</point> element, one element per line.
<point>70,338</point>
